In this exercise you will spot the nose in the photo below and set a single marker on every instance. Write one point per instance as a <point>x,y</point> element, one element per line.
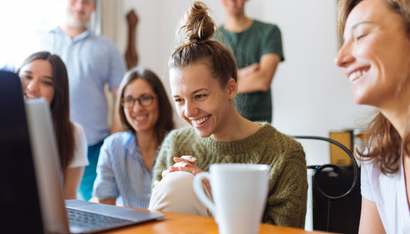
<point>33,85</point>
<point>78,4</point>
<point>344,57</point>
<point>137,106</point>
<point>190,109</point>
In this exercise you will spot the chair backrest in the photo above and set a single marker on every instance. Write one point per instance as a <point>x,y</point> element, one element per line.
<point>320,178</point>
<point>19,201</point>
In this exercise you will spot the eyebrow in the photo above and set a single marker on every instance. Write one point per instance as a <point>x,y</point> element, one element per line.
<point>360,23</point>
<point>194,92</point>
<point>142,95</point>
<point>199,90</point>
<point>48,77</point>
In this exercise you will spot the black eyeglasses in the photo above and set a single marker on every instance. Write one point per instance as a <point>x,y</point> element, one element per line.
<point>143,101</point>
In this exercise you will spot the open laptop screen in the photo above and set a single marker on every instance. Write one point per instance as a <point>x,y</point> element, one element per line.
<point>19,200</point>
<point>49,177</point>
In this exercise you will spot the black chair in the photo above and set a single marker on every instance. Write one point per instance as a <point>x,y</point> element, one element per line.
<point>337,170</point>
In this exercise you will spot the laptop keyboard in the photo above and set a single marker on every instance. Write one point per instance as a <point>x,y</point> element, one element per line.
<point>87,220</point>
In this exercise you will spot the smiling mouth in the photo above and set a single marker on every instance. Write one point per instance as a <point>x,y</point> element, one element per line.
<point>29,96</point>
<point>200,121</point>
<point>139,118</point>
<point>78,13</point>
<point>356,75</point>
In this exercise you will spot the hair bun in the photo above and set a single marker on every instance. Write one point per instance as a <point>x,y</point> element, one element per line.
<point>197,25</point>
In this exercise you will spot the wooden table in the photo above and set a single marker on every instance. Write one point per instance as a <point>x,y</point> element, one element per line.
<point>174,223</point>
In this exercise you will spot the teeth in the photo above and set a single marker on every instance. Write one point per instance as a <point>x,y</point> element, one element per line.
<point>356,75</point>
<point>199,121</point>
<point>30,96</point>
<point>140,118</point>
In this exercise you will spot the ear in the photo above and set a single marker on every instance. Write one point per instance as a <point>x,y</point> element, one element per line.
<point>232,88</point>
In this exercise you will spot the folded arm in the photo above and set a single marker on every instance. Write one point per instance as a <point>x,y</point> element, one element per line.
<point>258,77</point>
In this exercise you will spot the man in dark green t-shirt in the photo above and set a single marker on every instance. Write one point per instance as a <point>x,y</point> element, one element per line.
<point>257,47</point>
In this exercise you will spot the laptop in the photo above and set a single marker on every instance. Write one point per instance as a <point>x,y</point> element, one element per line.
<point>71,216</point>
<point>19,202</point>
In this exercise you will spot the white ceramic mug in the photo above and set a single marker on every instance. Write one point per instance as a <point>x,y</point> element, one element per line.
<point>239,192</point>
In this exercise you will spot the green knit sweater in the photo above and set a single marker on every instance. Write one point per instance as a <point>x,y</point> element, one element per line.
<point>286,203</point>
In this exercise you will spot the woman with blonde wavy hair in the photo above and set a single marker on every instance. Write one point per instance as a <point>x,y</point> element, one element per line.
<point>375,58</point>
<point>203,77</point>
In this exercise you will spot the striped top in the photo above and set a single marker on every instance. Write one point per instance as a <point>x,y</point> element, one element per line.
<point>121,172</point>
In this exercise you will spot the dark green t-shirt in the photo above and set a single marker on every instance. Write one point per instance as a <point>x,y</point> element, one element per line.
<point>248,47</point>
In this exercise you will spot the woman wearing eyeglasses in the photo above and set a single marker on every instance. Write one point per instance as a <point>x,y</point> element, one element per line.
<point>124,170</point>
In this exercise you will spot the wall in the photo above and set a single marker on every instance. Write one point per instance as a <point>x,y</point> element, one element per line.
<point>312,96</point>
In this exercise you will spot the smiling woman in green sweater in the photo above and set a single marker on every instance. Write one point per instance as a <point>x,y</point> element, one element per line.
<point>203,77</point>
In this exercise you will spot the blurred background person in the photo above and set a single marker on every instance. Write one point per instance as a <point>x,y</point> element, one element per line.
<point>92,61</point>
<point>257,47</point>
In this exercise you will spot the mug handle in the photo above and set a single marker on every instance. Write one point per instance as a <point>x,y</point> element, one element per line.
<point>200,191</point>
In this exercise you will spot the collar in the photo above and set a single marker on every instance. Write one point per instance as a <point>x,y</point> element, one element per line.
<point>133,150</point>
<point>130,145</point>
<point>80,37</point>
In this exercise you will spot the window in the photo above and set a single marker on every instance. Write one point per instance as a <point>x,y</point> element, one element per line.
<point>19,19</point>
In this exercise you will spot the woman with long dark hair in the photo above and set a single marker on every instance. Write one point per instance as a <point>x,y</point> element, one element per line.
<point>124,170</point>
<point>375,58</point>
<point>44,75</point>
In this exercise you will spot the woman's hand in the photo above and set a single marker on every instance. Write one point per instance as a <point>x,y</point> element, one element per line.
<point>184,163</point>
